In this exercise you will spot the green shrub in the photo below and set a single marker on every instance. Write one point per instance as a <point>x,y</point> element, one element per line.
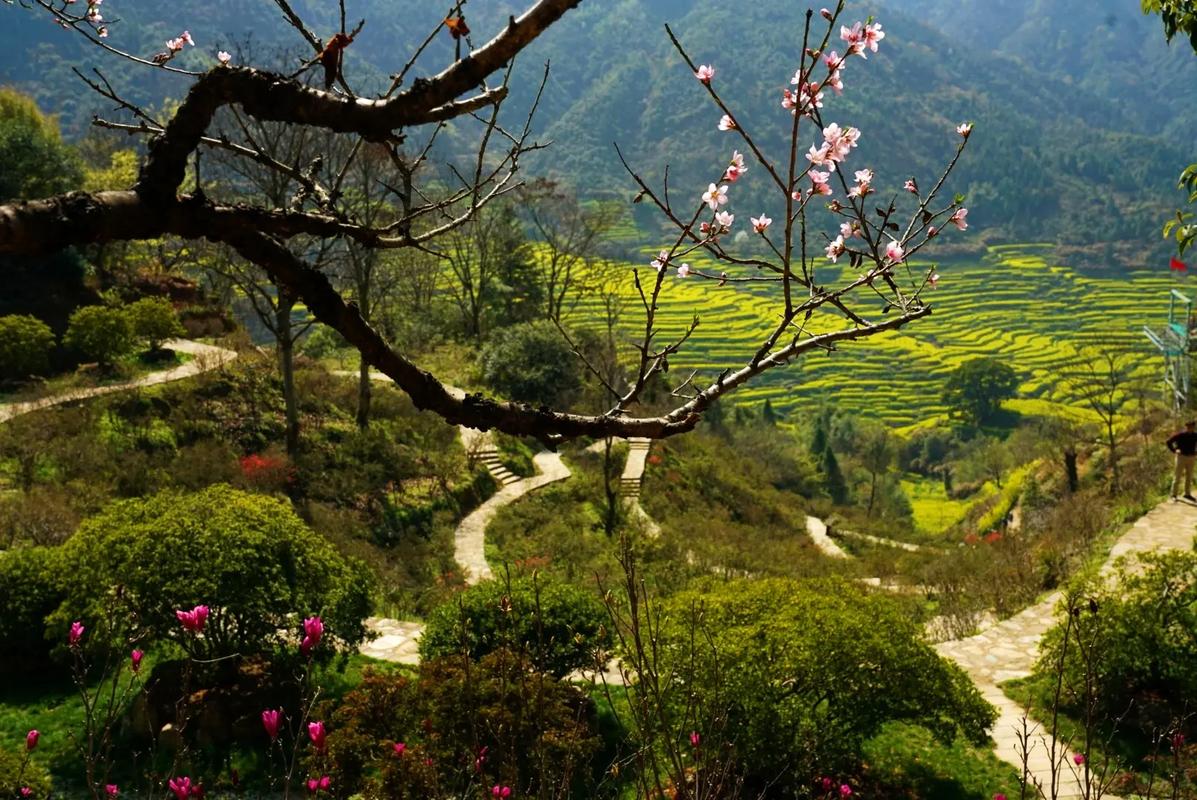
<point>14,778</point>
<point>560,626</point>
<point>802,673</point>
<point>31,581</point>
<point>1139,638</point>
<point>498,718</point>
<point>532,363</point>
<point>25,345</point>
<point>247,556</point>
<point>100,333</point>
<point>154,321</point>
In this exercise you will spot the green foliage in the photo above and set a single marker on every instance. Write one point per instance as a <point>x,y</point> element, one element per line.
<point>36,161</point>
<point>532,363</point>
<point>248,557</point>
<point>499,718</point>
<point>833,478</point>
<point>977,388</point>
<point>100,333</point>
<point>1179,16</point>
<point>154,320</point>
<point>25,345</point>
<point>1183,227</point>
<point>31,578</point>
<point>805,672</point>
<point>17,772</point>
<point>1139,648</point>
<point>558,625</point>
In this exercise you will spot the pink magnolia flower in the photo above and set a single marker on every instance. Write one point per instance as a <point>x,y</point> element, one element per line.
<point>683,271</point>
<point>715,196</point>
<point>911,186</point>
<point>320,784</point>
<point>181,787</point>
<point>399,748</point>
<point>313,631</point>
<point>224,58</point>
<point>111,790</point>
<point>695,739</point>
<point>135,661</point>
<point>759,224</point>
<point>999,796</point>
<point>964,129</point>
<point>845,790</point>
<point>725,220</point>
<point>194,619</point>
<point>1078,759</point>
<point>827,784</point>
<point>836,248</point>
<point>31,739</point>
<point>313,785</point>
<point>317,734</point>
<point>726,123</point>
<point>270,721</point>
<point>75,634</point>
<point>894,252</point>
<point>501,791</point>
<point>958,219</point>
<point>660,261</point>
<point>26,791</point>
<point>704,73</point>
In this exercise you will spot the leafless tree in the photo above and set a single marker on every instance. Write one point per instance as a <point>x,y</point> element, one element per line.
<point>1099,378</point>
<point>813,313</point>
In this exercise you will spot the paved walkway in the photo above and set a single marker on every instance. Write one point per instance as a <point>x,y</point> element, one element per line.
<point>204,358</point>
<point>817,530</point>
<point>1008,650</point>
<point>864,537</point>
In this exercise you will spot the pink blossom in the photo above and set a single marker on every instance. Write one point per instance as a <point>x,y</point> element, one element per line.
<point>827,784</point>
<point>313,631</point>
<point>313,785</point>
<point>1078,759</point>
<point>826,13</point>
<point>848,229</point>
<point>660,261</point>
<point>911,186</point>
<point>725,220</point>
<point>999,796</point>
<point>481,759</point>
<point>818,181</point>
<point>501,791</point>
<point>399,748</point>
<point>224,57</point>
<point>872,35</point>
<point>736,167</point>
<point>836,248</point>
<point>683,271</point>
<point>270,721</point>
<point>818,157</point>
<point>932,232</point>
<point>894,252</point>
<point>854,37</point>
<point>759,224</point>
<point>181,787</point>
<point>715,196</point>
<point>726,123</point>
<point>845,790</point>
<point>864,181</point>
<point>933,280</point>
<point>317,734</point>
<point>964,129</point>
<point>26,791</point>
<point>694,739</point>
<point>111,790</point>
<point>194,619</point>
<point>102,31</point>
<point>31,739</point>
<point>76,633</point>
<point>705,73</point>
<point>135,661</point>
<point>958,219</point>
<point>185,36</point>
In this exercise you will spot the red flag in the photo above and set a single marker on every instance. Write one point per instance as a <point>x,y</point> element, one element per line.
<point>1176,265</point>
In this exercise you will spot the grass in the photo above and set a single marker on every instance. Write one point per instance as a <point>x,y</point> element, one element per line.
<point>127,369</point>
<point>1013,305</point>
<point>909,762</point>
<point>934,511</point>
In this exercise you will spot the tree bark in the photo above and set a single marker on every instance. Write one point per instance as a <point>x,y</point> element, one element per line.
<point>286,362</point>
<point>363,394</point>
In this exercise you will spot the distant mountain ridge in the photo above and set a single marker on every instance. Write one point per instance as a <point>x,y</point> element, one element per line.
<point>1083,114</point>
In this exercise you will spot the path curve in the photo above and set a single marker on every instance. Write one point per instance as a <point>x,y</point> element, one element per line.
<point>205,357</point>
<point>1008,649</point>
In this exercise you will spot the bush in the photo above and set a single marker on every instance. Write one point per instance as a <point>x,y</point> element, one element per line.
<point>802,673</point>
<point>247,556</point>
<point>499,719</point>
<point>977,388</point>
<point>560,626</point>
<point>32,776</point>
<point>25,345</point>
<point>532,363</point>
<point>100,333</point>
<point>31,580</point>
<point>1139,643</point>
<point>154,320</point>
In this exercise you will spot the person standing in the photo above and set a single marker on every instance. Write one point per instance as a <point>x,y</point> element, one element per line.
<point>1184,444</point>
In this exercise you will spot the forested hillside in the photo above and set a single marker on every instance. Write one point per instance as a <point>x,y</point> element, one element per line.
<point>1064,110</point>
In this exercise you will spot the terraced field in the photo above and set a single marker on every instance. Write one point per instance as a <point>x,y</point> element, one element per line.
<point>1013,304</point>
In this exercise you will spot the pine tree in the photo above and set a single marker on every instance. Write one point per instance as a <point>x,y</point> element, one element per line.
<point>768,415</point>
<point>833,479</point>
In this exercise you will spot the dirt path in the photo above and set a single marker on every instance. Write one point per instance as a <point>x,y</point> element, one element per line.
<point>204,357</point>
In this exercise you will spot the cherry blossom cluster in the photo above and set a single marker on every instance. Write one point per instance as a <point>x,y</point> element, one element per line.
<point>174,47</point>
<point>92,16</point>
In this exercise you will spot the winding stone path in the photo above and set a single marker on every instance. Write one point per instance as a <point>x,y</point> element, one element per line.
<point>817,530</point>
<point>204,357</point>
<point>1008,650</point>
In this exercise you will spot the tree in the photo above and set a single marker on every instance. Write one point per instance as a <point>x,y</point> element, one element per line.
<point>1098,378</point>
<point>833,478</point>
<point>101,333</point>
<point>570,233</point>
<point>977,388</point>
<point>532,363</point>
<point>36,160</point>
<point>246,556</point>
<point>282,238</point>
<point>25,345</point>
<point>877,453</point>
<point>154,320</point>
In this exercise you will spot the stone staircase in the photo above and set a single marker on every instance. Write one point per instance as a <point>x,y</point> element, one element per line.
<point>633,472</point>
<point>488,454</point>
